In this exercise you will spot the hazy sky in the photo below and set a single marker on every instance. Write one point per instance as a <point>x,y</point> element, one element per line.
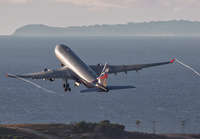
<point>63,13</point>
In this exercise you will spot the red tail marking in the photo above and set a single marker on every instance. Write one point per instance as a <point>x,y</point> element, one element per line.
<point>104,76</point>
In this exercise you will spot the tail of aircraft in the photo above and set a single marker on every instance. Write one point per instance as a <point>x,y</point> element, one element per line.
<point>102,83</point>
<point>102,80</point>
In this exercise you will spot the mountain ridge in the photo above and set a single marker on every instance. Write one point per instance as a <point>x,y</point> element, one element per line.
<point>153,28</point>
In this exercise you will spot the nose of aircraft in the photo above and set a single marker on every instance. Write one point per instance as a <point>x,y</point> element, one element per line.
<point>59,46</point>
<point>58,49</point>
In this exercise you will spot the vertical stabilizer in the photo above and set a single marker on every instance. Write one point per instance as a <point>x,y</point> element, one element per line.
<point>102,80</point>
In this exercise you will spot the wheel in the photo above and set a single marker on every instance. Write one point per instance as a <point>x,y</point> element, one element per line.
<point>69,89</point>
<point>67,85</point>
<point>64,85</point>
<point>65,89</point>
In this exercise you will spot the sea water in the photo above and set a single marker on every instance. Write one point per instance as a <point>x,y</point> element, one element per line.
<point>166,94</point>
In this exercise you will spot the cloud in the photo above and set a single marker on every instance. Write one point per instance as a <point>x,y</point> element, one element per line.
<point>110,3</point>
<point>97,9</point>
<point>177,9</point>
<point>99,4</point>
<point>187,6</point>
<point>15,1</point>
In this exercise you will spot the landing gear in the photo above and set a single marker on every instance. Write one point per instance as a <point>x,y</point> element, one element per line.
<point>69,89</point>
<point>66,86</point>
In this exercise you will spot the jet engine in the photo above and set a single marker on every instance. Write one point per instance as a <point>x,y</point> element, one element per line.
<point>77,84</point>
<point>46,69</point>
<point>50,79</point>
<point>99,64</point>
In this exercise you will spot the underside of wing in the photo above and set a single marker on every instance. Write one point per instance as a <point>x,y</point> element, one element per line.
<point>62,73</point>
<point>124,68</point>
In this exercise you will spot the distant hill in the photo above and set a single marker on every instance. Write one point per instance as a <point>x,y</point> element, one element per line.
<point>153,28</point>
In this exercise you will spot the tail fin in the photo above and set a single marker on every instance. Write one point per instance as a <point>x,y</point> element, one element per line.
<point>102,80</point>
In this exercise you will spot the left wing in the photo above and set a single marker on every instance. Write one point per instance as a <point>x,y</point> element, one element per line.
<point>62,73</point>
<point>124,68</point>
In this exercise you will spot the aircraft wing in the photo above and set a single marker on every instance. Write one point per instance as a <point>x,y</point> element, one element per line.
<point>124,68</point>
<point>62,73</point>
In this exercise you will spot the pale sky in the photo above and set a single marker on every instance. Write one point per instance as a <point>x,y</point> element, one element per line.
<point>63,13</point>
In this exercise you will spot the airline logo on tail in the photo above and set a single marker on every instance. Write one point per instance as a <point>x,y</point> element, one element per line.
<point>102,80</point>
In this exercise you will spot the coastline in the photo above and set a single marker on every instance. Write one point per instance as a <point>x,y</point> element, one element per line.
<point>57,131</point>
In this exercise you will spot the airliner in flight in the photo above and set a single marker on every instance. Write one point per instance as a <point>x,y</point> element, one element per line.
<point>93,77</point>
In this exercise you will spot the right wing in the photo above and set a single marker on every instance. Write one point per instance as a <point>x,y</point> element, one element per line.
<point>124,68</point>
<point>62,73</point>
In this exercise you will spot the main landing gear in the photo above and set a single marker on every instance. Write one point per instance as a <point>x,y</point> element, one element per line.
<point>66,86</point>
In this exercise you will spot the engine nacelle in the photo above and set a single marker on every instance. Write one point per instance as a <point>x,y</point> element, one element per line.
<point>77,84</point>
<point>50,79</point>
<point>46,69</point>
<point>99,64</point>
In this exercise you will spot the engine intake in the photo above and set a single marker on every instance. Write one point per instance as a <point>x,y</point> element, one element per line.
<point>51,79</point>
<point>99,64</point>
<point>46,69</point>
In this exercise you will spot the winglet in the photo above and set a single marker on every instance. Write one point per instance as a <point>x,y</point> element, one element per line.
<point>172,60</point>
<point>6,74</point>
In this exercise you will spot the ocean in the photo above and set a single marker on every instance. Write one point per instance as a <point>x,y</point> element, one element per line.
<point>166,94</point>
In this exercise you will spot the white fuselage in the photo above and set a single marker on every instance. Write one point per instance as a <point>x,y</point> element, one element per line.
<point>80,71</point>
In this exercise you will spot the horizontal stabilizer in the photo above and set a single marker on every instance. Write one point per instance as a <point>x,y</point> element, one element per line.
<point>96,89</point>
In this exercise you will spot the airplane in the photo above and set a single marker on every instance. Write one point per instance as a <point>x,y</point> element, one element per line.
<point>93,77</point>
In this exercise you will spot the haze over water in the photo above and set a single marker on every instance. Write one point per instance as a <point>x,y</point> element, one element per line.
<point>166,94</point>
